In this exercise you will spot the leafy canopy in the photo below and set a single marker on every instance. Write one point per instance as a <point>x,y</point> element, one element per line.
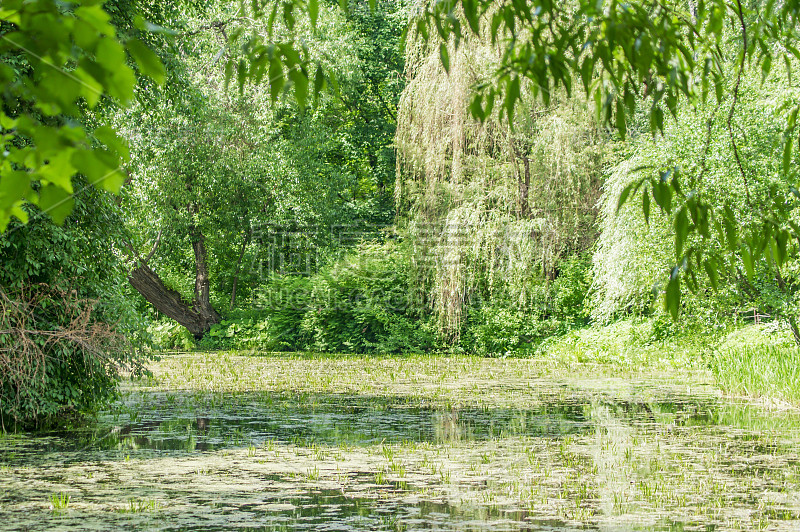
<point>659,52</point>
<point>58,60</point>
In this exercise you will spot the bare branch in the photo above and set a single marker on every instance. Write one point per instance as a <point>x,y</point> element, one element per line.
<point>155,247</point>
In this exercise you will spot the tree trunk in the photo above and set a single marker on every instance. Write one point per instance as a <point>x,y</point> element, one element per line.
<point>202,282</point>
<point>524,187</point>
<point>197,316</point>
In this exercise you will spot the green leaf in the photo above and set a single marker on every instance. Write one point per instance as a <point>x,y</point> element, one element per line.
<point>471,14</point>
<point>319,80</point>
<point>229,66</point>
<point>791,120</point>
<point>662,193</point>
<point>646,206</point>
<point>121,84</point>
<point>587,68</point>
<point>749,263</point>
<point>656,120</point>
<point>145,25</point>
<point>444,55</point>
<point>56,202</point>
<point>476,107</point>
<point>300,81</point>
<point>729,221</point>
<point>313,11</point>
<point>109,54</point>
<point>113,141</point>
<point>512,94</point>
<point>100,168</point>
<point>149,63</point>
<point>766,66</point>
<point>781,241</point>
<point>672,298</point>
<point>710,266</point>
<point>13,186</point>
<point>96,17</point>
<point>620,116</point>
<point>681,231</point>
<point>276,80</point>
<point>787,155</point>
<point>242,71</point>
<point>631,188</point>
<point>59,170</point>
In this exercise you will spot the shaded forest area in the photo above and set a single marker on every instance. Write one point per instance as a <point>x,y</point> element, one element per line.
<point>327,179</point>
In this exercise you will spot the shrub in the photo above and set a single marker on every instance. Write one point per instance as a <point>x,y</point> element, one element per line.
<point>363,303</point>
<point>500,330</point>
<point>569,289</point>
<point>56,358</point>
<point>65,332</point>
<point>167,334</point>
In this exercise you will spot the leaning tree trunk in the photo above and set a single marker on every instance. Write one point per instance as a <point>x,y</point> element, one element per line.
<point>197,316</point>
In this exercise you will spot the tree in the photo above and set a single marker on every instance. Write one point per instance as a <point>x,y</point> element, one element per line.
<point>234,170</point>
<point>662,52</point>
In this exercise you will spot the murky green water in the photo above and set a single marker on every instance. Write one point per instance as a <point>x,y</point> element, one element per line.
<point>570,456</point>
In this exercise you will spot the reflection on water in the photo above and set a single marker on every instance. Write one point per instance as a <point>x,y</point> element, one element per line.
<point>168,423</point>
<point>184,461</point>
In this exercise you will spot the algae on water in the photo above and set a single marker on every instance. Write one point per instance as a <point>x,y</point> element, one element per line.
<point>227,442</point>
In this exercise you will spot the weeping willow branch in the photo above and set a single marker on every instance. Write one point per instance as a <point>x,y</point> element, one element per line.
<point>493,208</point>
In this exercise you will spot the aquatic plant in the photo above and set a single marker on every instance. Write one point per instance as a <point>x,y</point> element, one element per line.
<point>59,501</point>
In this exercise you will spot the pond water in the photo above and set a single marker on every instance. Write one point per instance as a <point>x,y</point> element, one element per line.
<point>570,456</point>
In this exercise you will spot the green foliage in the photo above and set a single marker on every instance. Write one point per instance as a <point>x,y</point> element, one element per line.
<point>360,303</point>
<point>63,315</point>
<point>706,228</point>
<point>758,361</point>
<point>502,331</point>
<point>58,60</point>
<point>363,303</point>
<point>491,209</point>
<point>634,343</point>
<point>501,327</point>
<point>569,290</point>
<point>166,334</point>
<point>285,300</point>
<point>271,186</point>
<point>664,53</point>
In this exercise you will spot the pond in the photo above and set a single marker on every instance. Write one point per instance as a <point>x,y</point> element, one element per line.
<point>226,442</point>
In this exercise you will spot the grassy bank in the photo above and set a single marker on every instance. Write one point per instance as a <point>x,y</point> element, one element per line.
<point>758,361</point>
<point>755,360</point>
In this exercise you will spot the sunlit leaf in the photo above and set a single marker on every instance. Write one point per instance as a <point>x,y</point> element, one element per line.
<point>148,61</point>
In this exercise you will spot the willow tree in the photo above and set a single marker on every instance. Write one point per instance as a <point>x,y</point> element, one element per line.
<point>652,54</point>
<point>494,205</point>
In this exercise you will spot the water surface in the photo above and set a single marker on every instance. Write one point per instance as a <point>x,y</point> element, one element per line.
<point>560,454</point>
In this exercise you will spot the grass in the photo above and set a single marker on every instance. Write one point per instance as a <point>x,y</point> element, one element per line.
<point>759,370</point>
<point>59,502</point>
<point>140,505</point>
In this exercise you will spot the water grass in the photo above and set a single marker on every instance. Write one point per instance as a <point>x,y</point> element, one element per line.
<point>302,441</point>
<point>759,370</point>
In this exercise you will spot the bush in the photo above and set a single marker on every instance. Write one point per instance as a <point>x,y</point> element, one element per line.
<point>66,332</point>
<point>570,288</point>
<point>167,334</point>
<point>500,330</point>
<point>363,303</point>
